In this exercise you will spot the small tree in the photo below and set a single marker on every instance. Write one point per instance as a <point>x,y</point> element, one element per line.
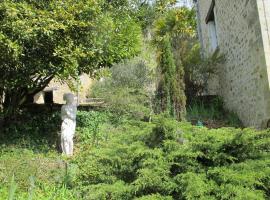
<point>170,94</point>
<point>173,30</point>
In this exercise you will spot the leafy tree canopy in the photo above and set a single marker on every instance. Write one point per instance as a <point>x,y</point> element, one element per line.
<point>40,40</point>
<point>177,23</point>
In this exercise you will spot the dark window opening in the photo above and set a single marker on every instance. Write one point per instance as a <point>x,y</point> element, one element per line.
<point>211,15</point>
<point>48,97</point>
<point>212,31</point>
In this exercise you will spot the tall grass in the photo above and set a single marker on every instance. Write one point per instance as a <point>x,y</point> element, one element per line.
<point>199,111</point>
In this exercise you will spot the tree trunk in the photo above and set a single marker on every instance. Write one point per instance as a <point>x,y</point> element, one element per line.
<point>12,99</point>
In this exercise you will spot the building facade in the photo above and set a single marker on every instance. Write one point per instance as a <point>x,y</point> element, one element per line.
<point>54,92</point>
<point>240,30</point>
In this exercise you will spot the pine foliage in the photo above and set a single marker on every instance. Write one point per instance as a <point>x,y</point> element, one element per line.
<point>170,94</point>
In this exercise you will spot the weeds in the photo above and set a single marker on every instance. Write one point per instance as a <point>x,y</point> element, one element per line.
<point>212,114</point>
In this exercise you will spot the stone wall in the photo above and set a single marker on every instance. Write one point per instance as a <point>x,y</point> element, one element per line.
<point>59,89</point>
<point>242,34</point>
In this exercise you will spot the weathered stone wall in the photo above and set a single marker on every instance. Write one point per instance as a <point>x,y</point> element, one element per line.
<point>242,39</point>
<point>264,17</point>
<point>59,89</point>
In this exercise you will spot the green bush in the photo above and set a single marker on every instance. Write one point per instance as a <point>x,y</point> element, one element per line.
<point>127,92</point>
<point>89,125</point>
<point>35,131</point>
<point>199,70</point>
<point>170,96</point>
<point>162,159</point>
<point>149,161</point>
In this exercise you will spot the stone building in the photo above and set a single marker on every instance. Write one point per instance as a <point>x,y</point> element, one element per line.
<point>240,30</point>
<point>54,92</point>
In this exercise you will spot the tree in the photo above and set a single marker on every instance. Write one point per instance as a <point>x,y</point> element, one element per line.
<point>42,40</point>
<point>170,92</point>
<point>172,30</point>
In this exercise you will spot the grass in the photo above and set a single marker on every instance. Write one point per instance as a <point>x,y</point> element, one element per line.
<point>30,165</point>
<point>212,115</point>
<point>27,174</point>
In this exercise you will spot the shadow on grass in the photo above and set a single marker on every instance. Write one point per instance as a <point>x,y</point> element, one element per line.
<point>35,129</point>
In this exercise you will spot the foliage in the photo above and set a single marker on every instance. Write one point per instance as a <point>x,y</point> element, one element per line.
<point>138,158</point>
<point>179,23</point>
<point>198,71</point>
<point>164,159</point>
<point>58,39</point>
<point>90,122</point>
<point>171,30</point>
<point>211,113</point>
<point>32,172</point>
<point>170,91</point>
<point>128,90</point>
<point>42,192</point>
<point>148,161</point>
<point>143,11</point>
<point>32,130</point>
<point>28,153</point>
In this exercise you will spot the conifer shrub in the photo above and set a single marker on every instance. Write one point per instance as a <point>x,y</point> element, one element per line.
<point>170,95</point>
<point>164,159</point>
<point>167,159</point>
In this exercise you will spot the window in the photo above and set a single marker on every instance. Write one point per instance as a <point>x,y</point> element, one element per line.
<point>48,97</point>
<point>211,23</point>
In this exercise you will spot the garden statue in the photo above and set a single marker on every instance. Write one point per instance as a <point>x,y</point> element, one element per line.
<point>68,115</point>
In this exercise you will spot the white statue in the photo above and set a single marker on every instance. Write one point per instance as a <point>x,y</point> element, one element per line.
<point>68,115</point>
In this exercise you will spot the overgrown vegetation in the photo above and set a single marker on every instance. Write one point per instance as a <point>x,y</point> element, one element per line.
<point>143,160</point>
<point>199,70</point>
<point>210,112</point>
<point>123,150</point>
<point>171,30</point>
<point>164,159</point>
<point>128,89</point>
<point>170,96</point>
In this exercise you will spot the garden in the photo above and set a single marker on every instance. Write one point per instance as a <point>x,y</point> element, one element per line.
<point>155,137</point>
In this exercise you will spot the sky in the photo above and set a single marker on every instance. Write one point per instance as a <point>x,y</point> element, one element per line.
<point>187,3</point>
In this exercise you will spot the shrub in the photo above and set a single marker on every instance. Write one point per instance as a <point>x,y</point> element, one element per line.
<point>36,131</point>
<point>212,113</point>
<point>170,96</point>
<point>198,71</point>
<point>150,161</point>
<point>89,125</point>
<point>163,159</point>
<point>127,92</point>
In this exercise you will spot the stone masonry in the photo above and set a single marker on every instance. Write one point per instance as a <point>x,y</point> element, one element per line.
<point>242,29</point>
<point>58,89</point>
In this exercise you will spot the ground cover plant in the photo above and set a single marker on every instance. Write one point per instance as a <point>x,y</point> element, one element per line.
<point>168,159</point>
<point>133,159</point>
